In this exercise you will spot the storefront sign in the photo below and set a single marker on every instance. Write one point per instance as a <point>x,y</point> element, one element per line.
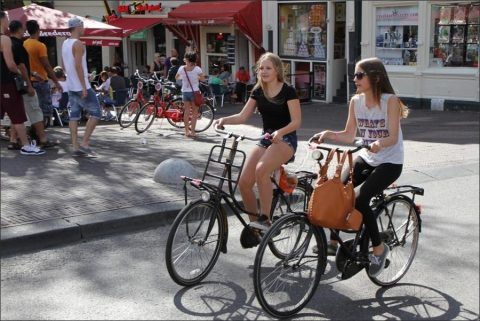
<point>101,42</point>
<point>139,7</point>
<point>397,16</point>
<point>141,35</point>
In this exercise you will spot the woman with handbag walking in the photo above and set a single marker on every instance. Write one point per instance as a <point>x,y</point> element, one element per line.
<point>375,112</point>
<point>191,75</point>
<point>279,107</point>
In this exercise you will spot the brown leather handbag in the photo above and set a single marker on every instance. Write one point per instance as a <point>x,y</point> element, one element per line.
<point>332,204</point>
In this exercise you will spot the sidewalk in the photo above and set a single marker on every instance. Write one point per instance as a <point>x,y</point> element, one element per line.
<point>56,198</point>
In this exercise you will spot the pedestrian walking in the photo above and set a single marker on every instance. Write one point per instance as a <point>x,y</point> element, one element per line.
<point>81,96</point>
<point>11,101</point>
<point>375,113</point>
<point>40,70</point>
<point>281,116</point>
<point>168,61</point>
<point>191,75</point>
<point>30,99</point>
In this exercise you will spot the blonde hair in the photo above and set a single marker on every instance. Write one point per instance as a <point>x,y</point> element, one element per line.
<point>379,81</point>
<point>277,65</point>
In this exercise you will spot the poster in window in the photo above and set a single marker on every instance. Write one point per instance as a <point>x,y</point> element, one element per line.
<point>458,34</point>
<point>443,34</point>
<point>472,54</point>
<point>445,15</point>
<point>472,34</point>
<point>460,15</point>
<point>319,81</point>
<point>474,14</point>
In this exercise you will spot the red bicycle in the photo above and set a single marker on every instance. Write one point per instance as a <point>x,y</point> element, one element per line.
<point>129,112</point>
<point>165,104</point>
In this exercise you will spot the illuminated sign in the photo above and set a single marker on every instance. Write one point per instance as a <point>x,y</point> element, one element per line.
<point>139,7</point>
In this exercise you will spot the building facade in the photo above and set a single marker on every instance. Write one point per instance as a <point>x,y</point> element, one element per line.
<point>430,49</point>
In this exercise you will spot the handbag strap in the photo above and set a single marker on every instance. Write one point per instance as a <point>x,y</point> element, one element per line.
<point>338,171</point>
<point>322,174</point>
<point>188,78</point>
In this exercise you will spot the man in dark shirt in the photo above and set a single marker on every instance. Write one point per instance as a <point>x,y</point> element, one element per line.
<point>30,99</point>
<point>117,82</point>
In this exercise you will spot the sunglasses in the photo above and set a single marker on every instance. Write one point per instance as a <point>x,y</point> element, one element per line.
<point>359,75</point>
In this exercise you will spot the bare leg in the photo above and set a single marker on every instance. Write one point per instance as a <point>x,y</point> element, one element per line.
<point>73,124</point>
<point>39,128</point>
<point>186,116</point>
<point>21,132</point>
<point>273,158</point>
<point>195,110</point>
<point>90,127</point>
<point>247,181</point>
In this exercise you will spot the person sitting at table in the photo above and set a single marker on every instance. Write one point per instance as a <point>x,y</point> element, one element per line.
<point>241,79</point>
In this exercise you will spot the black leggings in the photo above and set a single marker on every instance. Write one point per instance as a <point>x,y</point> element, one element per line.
<point>375,180</point>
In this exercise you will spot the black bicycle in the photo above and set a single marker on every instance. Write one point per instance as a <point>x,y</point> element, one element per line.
<point>284,285</point>
<point>200,231</point>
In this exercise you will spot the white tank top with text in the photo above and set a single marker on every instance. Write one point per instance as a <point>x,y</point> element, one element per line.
<point>372,125</point>
<point>73,82</point>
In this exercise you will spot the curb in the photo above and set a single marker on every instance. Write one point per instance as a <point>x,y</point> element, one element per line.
<point>42,235</point>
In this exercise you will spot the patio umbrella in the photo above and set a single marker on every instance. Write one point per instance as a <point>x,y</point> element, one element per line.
<point>54,23</point>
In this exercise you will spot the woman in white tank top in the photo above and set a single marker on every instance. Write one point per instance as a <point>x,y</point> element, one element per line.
<point>374,113</point>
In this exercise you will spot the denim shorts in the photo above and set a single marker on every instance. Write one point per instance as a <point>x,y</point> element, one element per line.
<point>187,96</point>
<point>90,104</point>
<point>290,139</point>
<point>44,97</point>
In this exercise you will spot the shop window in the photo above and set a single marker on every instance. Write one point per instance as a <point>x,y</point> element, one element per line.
<point>396,35</point>
<point>320,80</point>
<point>455,39</point>
<point>217,55</point>
<point>303,30</point>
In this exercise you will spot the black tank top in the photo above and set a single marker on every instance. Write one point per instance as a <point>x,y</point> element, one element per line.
<point>6,74</point>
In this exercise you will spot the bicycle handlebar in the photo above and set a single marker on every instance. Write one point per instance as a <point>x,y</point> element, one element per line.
<point>360,143</point>
<point>240,137</point>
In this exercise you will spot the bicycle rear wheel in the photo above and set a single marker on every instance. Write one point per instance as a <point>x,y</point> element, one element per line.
<point>283,286</point>
<point>205,117</point>
<point>128,113</point>
<point>194,242</point>
<point>399,228</point>
<point>145,117</point>
<point>176,104</point>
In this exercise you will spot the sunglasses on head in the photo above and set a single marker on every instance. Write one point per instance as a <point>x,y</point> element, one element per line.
<point>359,75</point>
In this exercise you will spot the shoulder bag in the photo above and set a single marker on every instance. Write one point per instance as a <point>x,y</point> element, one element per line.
<point>21,84</point>
<point>332,204</point>
<point>197,95</point>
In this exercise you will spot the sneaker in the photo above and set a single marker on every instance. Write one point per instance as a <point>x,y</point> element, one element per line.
<point>262,224</point>
<point>331,249</point>
<point>377,263</point>
<point>31,149</point>
<point>87,151</point>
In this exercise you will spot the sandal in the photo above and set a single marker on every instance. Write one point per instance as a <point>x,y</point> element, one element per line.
<point>14,146</point>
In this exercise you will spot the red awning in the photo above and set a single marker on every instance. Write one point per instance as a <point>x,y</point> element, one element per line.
<point>247,15</point>
<point>54,23</point>
<point>134,24</point>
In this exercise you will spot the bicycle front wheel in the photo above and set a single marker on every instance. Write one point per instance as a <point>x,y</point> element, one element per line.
<point>206,114</point>
<point>399,228</point>
<point>194,242</point>
<point>283,286</point>
<point>128,113</point>
<point>145,117</point>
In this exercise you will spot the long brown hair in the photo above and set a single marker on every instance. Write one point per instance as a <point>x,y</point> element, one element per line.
<point>277,65</point>
<point>379,81</point>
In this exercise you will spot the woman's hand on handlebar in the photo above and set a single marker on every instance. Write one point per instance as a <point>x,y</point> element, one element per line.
<point>275,137</point>
<point>375,147</point>
<point>219,123</point>
<point>319,138</point>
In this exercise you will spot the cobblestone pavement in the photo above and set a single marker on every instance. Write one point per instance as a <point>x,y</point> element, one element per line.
<point>57,185</point>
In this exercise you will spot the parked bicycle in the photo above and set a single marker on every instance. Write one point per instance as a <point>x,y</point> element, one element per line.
<point>285,284</point>
<point>165,104</point>
<point>129,112</point>
<point>200,231</point>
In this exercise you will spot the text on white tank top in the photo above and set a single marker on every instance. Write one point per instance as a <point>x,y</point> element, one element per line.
<point>372,124</point>
<point>73,81</point>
